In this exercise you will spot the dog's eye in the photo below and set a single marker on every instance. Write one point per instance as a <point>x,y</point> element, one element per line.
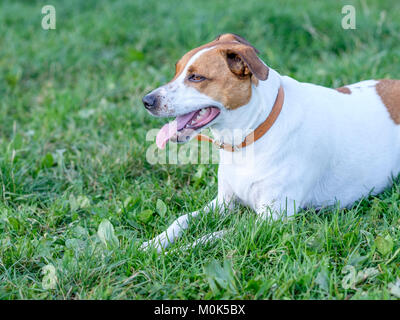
<point>196,78</point>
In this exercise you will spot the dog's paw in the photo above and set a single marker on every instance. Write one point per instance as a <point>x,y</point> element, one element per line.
<point>147,245</point>
<point>154,243</point>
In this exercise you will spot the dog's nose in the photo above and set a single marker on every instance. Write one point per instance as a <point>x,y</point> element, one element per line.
<point>150,101</point>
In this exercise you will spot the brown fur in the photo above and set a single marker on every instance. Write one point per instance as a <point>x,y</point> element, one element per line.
<point>221,84</point>
<point>181,64</point>
<point>230,68</point>
<point>222,38</point>
<point>389,91</point>
<point>229,37</point>
<point>344,90</point>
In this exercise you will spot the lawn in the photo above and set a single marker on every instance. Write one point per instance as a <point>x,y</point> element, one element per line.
<point>78,197</point>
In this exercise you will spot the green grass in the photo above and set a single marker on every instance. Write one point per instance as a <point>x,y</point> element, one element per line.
<point>72,153</point>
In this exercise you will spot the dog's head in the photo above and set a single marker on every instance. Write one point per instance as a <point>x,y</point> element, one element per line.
<point>210,81</point>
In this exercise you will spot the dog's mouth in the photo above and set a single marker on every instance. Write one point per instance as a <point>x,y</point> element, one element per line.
<point>183,127</point>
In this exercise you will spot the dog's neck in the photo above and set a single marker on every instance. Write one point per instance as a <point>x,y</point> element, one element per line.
<point>243,121</point>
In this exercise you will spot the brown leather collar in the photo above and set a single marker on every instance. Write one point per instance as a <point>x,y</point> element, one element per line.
<point>258,132</point>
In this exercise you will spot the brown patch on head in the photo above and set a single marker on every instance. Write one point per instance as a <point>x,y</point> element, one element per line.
<point>389,91</point>
<point>230,69</point>
<point>181,64</point>
<point>220,40</point>
<point>221,84</point>
<point>246,59</point>
<point>344,90</point>
<point>229,37</point>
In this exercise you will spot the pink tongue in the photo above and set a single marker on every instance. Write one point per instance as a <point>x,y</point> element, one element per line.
<point>169,129</point>
<point>210,114</point>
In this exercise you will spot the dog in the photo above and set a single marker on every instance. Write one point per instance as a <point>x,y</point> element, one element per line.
<point>312,146</point>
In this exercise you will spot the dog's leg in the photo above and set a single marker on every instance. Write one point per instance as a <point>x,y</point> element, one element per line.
<point>276,209</point>
<point>263,212</point>
<point>175,230</point>
<point>202,241</point>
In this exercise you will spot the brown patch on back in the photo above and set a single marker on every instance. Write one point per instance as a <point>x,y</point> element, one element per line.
<point>344,90</point>
<point>389,91</point>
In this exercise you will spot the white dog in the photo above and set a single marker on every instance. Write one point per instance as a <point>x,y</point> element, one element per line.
<point>311,146</point>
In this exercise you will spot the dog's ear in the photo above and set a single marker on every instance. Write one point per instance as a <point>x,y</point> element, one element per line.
<point>228,37</point>
<point>243,61</point>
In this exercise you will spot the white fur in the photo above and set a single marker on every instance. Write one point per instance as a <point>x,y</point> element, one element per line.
<point>325,148</point>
